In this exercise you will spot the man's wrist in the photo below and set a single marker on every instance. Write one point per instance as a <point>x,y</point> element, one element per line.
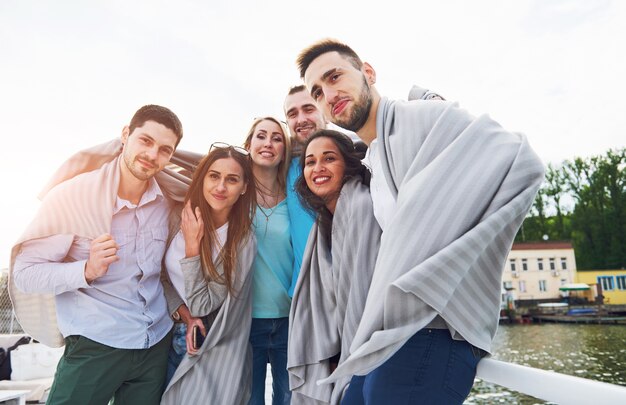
<point>89,278</point>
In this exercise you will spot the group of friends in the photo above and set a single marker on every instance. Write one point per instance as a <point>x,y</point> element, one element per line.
<point>364,271</point>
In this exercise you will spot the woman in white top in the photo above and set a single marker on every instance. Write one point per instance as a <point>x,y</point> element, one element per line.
<point>208,263</point>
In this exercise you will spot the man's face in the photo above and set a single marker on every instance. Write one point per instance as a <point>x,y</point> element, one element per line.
<point>147,149</point>
<point>340,90</point>
<point>303,116</point>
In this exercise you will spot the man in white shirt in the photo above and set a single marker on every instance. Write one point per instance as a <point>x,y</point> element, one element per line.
<point>100,255</point>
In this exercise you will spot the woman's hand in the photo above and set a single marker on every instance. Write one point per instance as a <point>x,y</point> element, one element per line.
<point>190,321</point>
<point>192,226</point>
<point>189,336</point>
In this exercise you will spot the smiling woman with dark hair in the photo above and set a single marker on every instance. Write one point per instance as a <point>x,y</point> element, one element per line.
<point>315,193</point>
<point>337,266</point>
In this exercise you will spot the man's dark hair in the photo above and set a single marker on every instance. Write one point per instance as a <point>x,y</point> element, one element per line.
<point>311,53</point>
<point>296,89</point>
<point>156,113</point>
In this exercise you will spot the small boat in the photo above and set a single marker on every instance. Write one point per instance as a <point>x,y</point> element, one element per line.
<point>553,305</point>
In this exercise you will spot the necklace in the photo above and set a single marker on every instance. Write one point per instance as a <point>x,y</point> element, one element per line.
<point>268,200</point>
<point>267,216</point>
<point>266,192</point>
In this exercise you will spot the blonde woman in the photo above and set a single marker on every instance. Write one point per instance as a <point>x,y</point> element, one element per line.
<point>269,149</point>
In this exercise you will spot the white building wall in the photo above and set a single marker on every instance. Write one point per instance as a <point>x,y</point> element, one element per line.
<point>528,279</point>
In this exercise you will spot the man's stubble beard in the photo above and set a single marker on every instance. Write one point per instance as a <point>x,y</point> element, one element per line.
<point>361,110</point>
<point>137,173</point>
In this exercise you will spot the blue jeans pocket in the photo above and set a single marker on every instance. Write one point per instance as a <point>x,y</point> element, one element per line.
<point>461,369</point>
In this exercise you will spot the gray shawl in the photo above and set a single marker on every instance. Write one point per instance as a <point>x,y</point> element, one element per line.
<point>463,186</point>
<point>221,372</point>
<point>330,296</point>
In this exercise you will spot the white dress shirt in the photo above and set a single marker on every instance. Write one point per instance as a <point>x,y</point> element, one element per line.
<point>126,307</point>
<point>382,198</point>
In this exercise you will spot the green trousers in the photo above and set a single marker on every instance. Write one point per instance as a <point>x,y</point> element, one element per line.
<point>93,373</point>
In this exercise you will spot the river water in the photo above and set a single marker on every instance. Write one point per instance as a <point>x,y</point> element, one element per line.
<point>596,352</point>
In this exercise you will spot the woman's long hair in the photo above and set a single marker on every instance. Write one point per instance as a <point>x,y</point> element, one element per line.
<point>239,218</point>
<point>283,166</point>
<point>352,154</point>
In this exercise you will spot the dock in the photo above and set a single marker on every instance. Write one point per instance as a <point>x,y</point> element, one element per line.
<point>603,320</point>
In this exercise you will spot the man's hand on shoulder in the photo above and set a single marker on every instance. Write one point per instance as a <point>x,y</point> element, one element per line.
<point>102,253</point>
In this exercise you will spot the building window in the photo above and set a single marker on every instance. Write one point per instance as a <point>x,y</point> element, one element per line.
<point>621,282</point>
<point>540,264</point>
<point>524,265</point>
<point>563,263</point>
<point>508,285</point>
<point>512,264</point>
<point>552,264</point>
<point>606,282</point>
<point>542,286</point>
<point>522,286</point>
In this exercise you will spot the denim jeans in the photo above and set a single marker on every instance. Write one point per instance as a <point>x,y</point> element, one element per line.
<point>431,368</point>
<point>268,338</point>
<point>178,349</point>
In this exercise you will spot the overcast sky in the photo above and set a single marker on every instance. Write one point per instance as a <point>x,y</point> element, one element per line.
<point>72,73</point>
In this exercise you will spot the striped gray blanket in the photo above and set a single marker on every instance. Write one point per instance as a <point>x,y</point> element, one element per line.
<point>330,296</point>
<point>463,186</point>
<point>221,372</point>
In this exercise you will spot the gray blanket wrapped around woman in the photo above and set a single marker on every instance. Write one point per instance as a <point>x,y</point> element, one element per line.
<point>221,372</point>
<point>330,296</point>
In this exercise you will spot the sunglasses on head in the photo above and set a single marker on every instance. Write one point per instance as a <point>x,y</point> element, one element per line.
<point>224,145</point>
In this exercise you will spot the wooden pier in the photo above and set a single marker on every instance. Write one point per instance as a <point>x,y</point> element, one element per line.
<point>603,320</point>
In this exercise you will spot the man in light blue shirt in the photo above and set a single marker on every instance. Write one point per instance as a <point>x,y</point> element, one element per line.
<point>303,118</point>
<point>110,305</point>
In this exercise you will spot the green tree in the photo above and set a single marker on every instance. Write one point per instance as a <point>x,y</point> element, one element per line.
<point>597,223</point>
<point>555,189</point>
<point>534,226</point>
<point>611,169</point>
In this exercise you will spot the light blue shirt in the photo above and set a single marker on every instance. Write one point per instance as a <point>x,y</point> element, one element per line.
<point>300,221</point>
<point>273,264</point>
<point>125,308</point>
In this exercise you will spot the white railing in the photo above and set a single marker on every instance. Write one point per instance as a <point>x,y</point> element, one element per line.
<point>550,386</point>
